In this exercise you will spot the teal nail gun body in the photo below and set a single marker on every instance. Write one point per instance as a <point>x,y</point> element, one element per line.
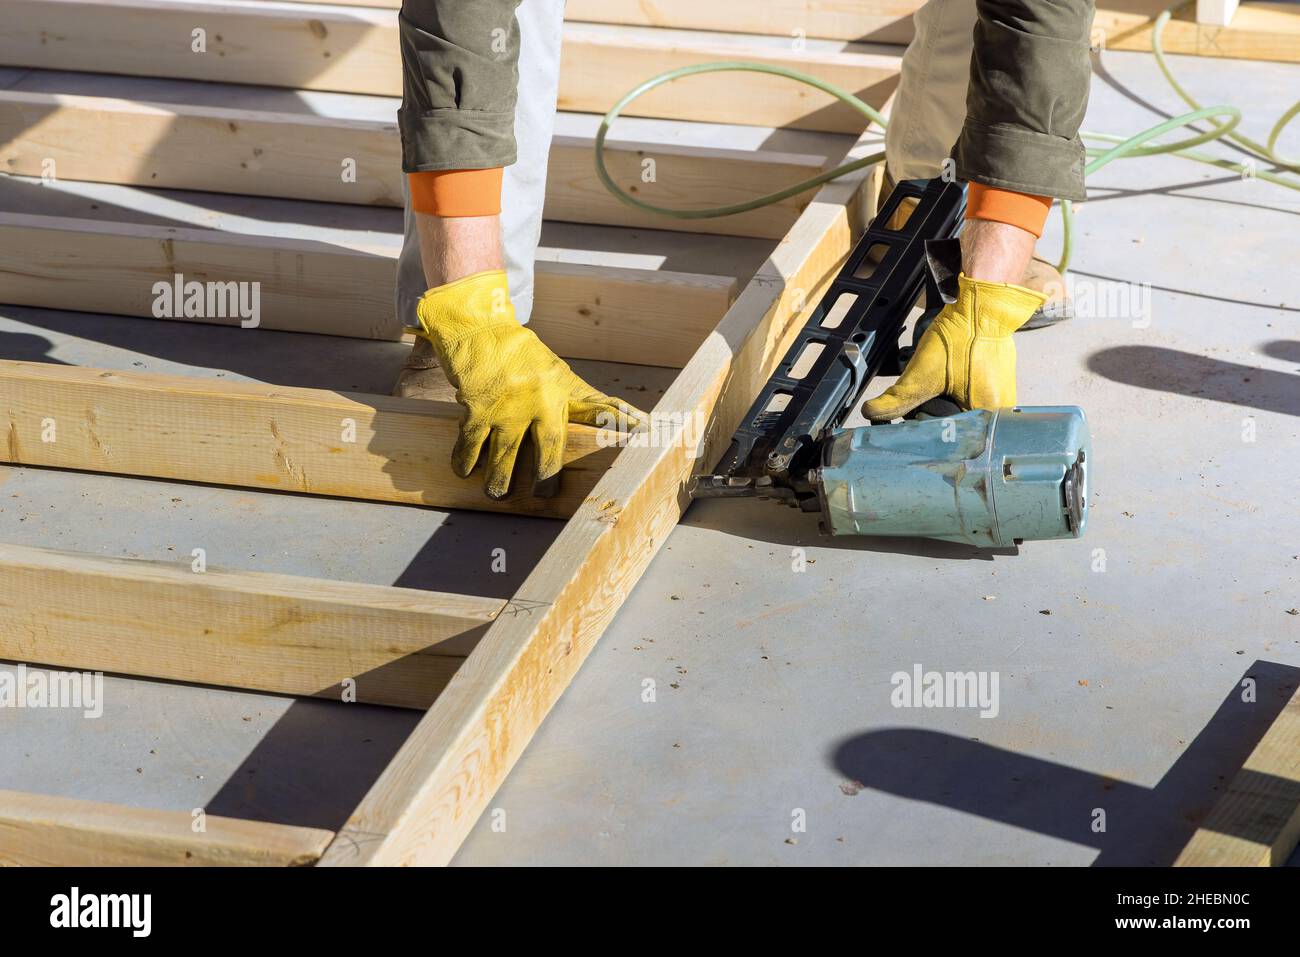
<point>988,478</point>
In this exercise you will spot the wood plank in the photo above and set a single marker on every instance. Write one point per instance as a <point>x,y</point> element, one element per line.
<point>599,61</point>
<point>41,830</point>
<point>427,799</point>
<point>873,21</point>
<point>303,156</point>
<point>1257,821</point>
<point>1266,31</point>
<point>356,50</point>
<point>1259,31</point>
<point>310,441</point>
<point>265,632</point>
<point>608,313</point>
<point>684,177</point>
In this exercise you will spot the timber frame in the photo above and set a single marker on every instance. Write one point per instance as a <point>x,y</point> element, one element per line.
<point>484,671</point>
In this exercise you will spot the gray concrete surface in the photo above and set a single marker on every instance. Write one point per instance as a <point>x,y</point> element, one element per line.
<point>772,700</point>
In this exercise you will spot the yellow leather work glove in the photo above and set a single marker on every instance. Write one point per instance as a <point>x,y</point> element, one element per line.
<point>966,354</point>
<point>510,384</point>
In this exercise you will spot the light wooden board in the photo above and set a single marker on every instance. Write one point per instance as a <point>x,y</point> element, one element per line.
<point>266,632</point>
<point>1267,31</point>
<point>330,159</point>
<point>46,831</point>
<point>1259,31</point>
<point>1226,28</point>
<point>875,21</point>
<point>313,441</point>
<point>581,311</point>
<point>1257,821</point>
<point>429,796</point>
<point>599,60</point>
<point>356,50</point>
<point>40,830</point>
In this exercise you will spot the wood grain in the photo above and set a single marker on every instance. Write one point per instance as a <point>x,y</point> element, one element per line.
<point>265,632</point>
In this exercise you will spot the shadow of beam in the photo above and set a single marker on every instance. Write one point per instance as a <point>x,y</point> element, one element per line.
<point>1184,373</point>
<point>1143,826</point>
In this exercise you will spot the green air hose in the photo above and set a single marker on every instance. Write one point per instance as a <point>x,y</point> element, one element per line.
<point>1130,147</point>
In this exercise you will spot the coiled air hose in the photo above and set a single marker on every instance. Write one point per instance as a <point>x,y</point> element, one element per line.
<point>1223,122</point>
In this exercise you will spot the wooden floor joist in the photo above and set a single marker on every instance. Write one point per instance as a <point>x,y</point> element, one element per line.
<point>875,21</point>
<point>265,632</point>
<point>1259,31</point>
<point>243,434</point>
<point>41,830</point>
<point>613,314</point>
<point>868,21</point>
<point>302,156</point>
<point>356,50</point>
<point>1257,821</point>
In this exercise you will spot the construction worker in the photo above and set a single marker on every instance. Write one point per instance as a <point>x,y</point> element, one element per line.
<point>1006,81</point>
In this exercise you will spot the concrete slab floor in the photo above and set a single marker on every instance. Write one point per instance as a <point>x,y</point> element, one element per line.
<point>1119,657</point>
<point>773,687</point>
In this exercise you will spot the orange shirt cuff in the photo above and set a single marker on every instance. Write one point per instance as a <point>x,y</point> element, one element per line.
<point>457,192</point>
<point>1025,210</point>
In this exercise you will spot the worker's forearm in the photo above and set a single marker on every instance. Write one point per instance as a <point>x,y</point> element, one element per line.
<point>1030,74</point>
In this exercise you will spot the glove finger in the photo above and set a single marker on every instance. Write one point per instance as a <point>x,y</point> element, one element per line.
<point>549,432</point>
<point>606,412</point>
<point>473,433</point>
<point>503,449</point>
<point>895,402</point>
<point>924,378</point>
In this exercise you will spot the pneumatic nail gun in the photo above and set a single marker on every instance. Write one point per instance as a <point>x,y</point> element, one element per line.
<point>990,478</point>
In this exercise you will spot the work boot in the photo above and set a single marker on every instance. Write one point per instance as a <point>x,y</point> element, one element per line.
<point>420,377</point>
<point>1040,275</point>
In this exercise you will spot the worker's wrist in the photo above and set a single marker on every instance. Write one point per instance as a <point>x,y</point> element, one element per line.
<point>471,304</point>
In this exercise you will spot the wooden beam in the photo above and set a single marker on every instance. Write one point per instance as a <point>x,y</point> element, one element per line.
<point>265,632</point>
<point>868,21</point>
<point>1259,31</point>
<point>246,434</point>
<point>304,156</point>
<point>356,50</point>
<point>428,798</point>
<point>872,21</point>
<point>609,313</point>
<point>1257,821</point>
<point>40,830</point>
<point>1268,31</point>
<point>599,61</point>
<point>677,177</point>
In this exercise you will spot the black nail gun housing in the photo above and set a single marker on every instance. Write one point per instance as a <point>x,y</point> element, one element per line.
<point>884,276</point>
